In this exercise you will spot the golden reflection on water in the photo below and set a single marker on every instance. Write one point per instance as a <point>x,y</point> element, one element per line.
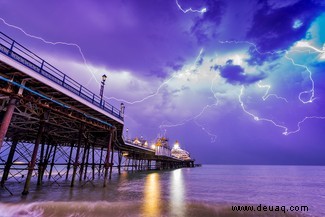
<point>152,200</point>
<point>177,193</point>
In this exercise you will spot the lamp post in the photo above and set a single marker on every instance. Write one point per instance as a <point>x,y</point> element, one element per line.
<point>102,88</point>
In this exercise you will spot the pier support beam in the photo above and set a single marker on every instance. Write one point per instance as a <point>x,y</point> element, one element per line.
<point>46,159</point>
<point>9,162</point>
<point>34,154</point>
<point>82,165</point>
<point>87,161</point>
<point>76,163</point>
<point>107,164</point>
<point>6,120</point>
<point>111,164</point>
<point>100,161</point>
<point>119,161</point>
<point>93,161</point>
<point>41,164</point>
<point>53,160</point>
<point>69,161</point>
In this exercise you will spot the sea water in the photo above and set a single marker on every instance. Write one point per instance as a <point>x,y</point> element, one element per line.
<point>210,190</point>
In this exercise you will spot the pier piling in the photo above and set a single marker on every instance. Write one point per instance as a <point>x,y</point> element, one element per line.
<point>32,163</point>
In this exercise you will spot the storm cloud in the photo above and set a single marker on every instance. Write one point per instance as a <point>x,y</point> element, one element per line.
<point>235,74</point>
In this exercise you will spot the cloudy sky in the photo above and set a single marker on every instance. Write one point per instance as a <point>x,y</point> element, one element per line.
<point>235,82</point>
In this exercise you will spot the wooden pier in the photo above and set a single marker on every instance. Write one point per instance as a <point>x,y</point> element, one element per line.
<point>53,128</point>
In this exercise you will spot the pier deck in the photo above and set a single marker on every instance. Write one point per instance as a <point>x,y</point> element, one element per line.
<point>49,119</point>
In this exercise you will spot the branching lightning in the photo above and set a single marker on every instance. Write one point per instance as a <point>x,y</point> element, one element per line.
<point>202,11</point>
<point>169,125</point>
<point>53,43</point>
<point>213,137</point>
<point>194,118</point>
<point>93,74</point>
<point>160,86</point>
<point>311,91</point>
<point>268,87</point>
<point>267,94</point>
<point>256,118</point>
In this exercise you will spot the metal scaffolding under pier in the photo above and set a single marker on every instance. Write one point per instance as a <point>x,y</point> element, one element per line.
<point>54,129</point>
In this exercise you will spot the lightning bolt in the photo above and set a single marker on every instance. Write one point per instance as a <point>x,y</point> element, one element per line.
<point>145,98</point>
<point>192,68</point>
<point>169,125</point>
<point>89,68</point>
<point>202,11</point>
<point>93,73</point>
<point>307,45</point>
<point>213,136</point>
<point>268,87</point>
<point>312,90</point>
<point>53,43</point>
<point>256,118</point>
<point>303,120</point>
<point>267,94</point>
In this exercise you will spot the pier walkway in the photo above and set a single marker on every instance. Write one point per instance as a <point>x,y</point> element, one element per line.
<point>54,128</point>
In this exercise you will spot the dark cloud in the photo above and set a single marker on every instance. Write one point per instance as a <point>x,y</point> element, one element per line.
<point>176,65</point>
<point>257,58</point>
<point>214,67</point>
<point>205,26</point>
<point>235,74</point>
<point>141,37</point>
<point>273,28</point>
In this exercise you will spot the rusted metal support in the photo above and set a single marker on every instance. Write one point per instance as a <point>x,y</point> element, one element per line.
<point>106,164</point>
<point>7,119</point>
<point>49,149</point>
<point>41,163</point>
<point>69,161</point>
<point>136,164</point>
<point>100,160</point>
<point>45,162</point>
<point>93,161</point>
<point>9,161</point>
<point>119,154</point>
<point>76,163</point>
<point>82,165</point>
<point>111,164</point>
<point>87,162</point>
<point>132,163</point>
<point>34,154</point>
<point>53,160</point>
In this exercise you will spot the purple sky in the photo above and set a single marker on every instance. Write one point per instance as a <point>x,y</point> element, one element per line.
<point>235,82</point>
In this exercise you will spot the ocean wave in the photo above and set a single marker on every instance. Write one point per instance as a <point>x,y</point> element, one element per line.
<point>120,209</point>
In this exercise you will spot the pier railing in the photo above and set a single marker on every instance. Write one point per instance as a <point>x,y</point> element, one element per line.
<point>19,53</point>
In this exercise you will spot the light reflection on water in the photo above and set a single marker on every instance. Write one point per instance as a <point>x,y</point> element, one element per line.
<point>177,193</point>
<point>152,198</point>
<point>153,201</point>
